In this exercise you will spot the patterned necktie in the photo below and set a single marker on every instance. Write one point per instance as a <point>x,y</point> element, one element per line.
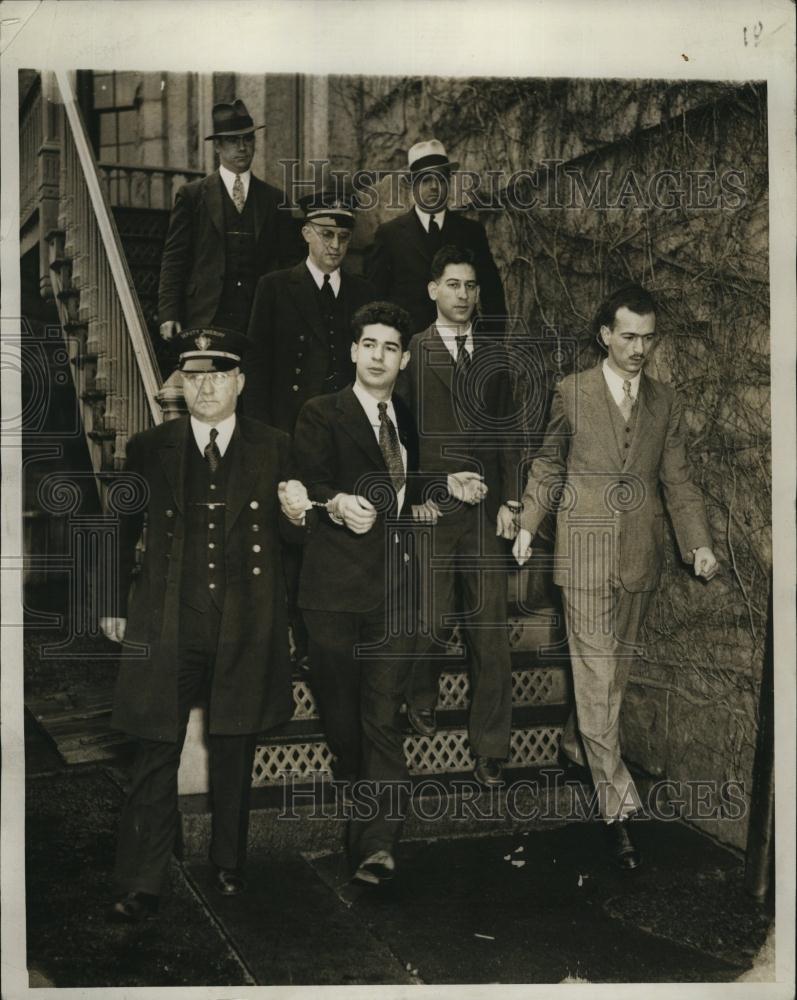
<point>212,453</point>
<point>463,360</point>
<point>627,404</point>
<point>391,449</point>
<point>238,197</point>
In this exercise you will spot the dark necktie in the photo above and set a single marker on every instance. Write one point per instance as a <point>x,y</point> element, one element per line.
<point>327,293</point>
<point>212,453</point>
<point>463,360</point>
<point>434,229</point>
<point>391,449</point>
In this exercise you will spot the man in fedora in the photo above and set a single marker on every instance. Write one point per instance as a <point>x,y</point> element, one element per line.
<point>225,231</point>
<point>205,618</point>
<point>399,262</point>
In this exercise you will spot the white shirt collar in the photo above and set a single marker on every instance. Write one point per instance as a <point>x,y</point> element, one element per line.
<point>615,382</point>
<point>202,433</point>
<point>448,335</point>
<point>318,277</point>
<point>426,218</point>
<point>228,177</point>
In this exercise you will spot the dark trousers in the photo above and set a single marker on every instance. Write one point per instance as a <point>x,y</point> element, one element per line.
<point>150,818</point>
<point>467,582</point>
<point>359,698</point>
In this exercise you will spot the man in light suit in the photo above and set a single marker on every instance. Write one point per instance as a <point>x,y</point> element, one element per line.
<point>357,451</point>
<point>205,616</point>
<point>615,439</point>
<point>225,231</point>
<point>399,261</point>
<point>458,390</point>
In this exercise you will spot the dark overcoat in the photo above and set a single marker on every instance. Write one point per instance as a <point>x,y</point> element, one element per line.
<point>290,357</point>
<point>251,689</point>
<point>399,264</point>
<point>193,261</point>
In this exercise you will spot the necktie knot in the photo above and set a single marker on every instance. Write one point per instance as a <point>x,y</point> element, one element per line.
<point>463,358</point>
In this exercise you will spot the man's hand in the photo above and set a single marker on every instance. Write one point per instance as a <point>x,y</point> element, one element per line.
<point>113,628</point>
<point>357,513</point>
<point>521,550</point>
<point>425,513</point>
<point>293,500</point>
<point>506,525</point>
<point>468,487</point>
<point>170,328</point>
<point>706,564</point>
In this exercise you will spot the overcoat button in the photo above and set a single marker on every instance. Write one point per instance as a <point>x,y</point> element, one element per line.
<point>255,548</point>
<point>295,388</point>
<point>256,571</point>
<point>211,565</point>
<point>254,504</point>
<point>213,486</point>
<point>255,527</point>
<point>211,526</point>
<point>170,513</point>
<point>211,545</point>
<point>211,586</point>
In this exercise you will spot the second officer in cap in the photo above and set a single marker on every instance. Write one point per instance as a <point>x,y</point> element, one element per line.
<point>205,617</point>
<point>300,326</point>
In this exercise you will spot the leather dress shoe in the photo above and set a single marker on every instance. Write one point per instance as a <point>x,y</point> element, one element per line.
<point>228,881</point>
<point>621,847</point>
<point>488,770</point>
<point>422,720</point>
<point>132,908</point>
<point>376,868</point>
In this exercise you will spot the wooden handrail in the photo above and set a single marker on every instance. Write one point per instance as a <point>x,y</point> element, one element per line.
<point>123,283</point>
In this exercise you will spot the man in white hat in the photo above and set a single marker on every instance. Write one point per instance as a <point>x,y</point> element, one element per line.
<point>399,262</point>
<point>225,231</point>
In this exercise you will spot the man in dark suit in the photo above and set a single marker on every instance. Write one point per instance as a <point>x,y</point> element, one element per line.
<point>206,616</point>
<point>300,325</point>
<point>300,332</point>
<point>615,438</point>
<point>458,390</point>
<point>398,265</point>
<point>357,452</point>
<point>225,231</point>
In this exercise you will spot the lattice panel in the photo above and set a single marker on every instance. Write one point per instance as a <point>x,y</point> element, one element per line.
<point>540,686</point>
<point>304,702</point>
<point>446,751</point>
<point>302,759</point>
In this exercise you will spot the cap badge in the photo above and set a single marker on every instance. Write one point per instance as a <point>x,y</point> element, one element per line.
<point>202,342</point>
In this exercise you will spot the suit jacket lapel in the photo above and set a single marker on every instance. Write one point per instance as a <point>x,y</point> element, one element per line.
<point>304,292</point>
<point>172,455</point>
<point>241,477</point>
<point>358,427</point>
<point>212,195</point>
<point>594,412</point>
<point>258,203</point>
<point>436,357</point>
<point>415,236</point>
<point>646,410</point>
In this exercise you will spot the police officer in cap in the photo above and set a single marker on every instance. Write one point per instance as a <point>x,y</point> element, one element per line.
<point>205,618</point>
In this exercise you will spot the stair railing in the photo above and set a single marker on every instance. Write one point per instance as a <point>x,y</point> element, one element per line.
<point>116,373</point>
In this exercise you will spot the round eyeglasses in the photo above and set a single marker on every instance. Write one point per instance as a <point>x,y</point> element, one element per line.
<point>195,379</point>
<point>328,234</point>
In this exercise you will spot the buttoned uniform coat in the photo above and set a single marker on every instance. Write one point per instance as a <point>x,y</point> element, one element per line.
<point>193,261</point>
<point>251,688</point>
<point>607,495</point>
<point>399,265</point>
<point>289,362</point>
<point>337,452</point>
